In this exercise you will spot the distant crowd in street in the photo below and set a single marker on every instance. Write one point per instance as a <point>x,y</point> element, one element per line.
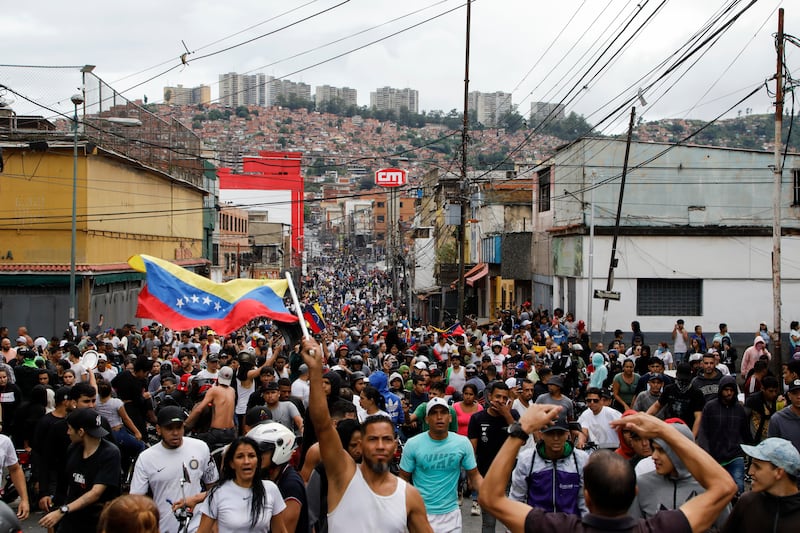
<point>381,423</point>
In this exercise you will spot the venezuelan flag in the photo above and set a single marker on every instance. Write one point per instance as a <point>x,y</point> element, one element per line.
<point>313,316</point>
<point>318,312</point>
<point>182,299</point>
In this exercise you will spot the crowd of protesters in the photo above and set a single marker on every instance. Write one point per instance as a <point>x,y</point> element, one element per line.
<point>320,428</point>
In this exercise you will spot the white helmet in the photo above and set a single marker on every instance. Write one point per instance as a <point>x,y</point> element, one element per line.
<point>275,435</point>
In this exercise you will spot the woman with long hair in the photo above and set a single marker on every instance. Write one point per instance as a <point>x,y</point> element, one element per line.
<point>466,407</point>
<point>624,386</point>
<point>372,403</point>
<point>239,482</point>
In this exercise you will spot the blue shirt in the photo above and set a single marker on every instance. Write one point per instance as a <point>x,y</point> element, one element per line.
<point>435,466</point>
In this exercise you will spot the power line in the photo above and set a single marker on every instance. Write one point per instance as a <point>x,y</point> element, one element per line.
<point>181,63</point>
<point>239,32</point>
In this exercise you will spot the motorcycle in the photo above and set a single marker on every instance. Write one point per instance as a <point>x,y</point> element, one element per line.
<point>9,492</point>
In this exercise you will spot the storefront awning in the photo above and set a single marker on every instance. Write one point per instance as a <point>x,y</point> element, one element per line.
<point>474,274</point>
<point>480,271</point>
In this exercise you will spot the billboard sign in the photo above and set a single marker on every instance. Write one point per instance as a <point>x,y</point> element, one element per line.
<point>391,177</point>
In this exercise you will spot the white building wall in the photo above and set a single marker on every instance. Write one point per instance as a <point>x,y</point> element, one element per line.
<point>737,274</point>
<point>425,261</point>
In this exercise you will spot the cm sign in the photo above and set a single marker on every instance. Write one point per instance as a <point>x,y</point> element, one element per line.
<point>391,177</point>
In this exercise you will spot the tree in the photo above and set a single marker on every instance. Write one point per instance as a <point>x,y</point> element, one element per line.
<point>569,128</point>
<point>242,111</point>
<point>215,114</point>
<point>511,121</point>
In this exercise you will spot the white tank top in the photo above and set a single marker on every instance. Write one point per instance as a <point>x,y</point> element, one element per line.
<point>362,510</point>
<point>243,397</point>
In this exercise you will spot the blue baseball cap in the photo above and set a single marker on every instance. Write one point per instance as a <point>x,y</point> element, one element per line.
<point>779,452</point>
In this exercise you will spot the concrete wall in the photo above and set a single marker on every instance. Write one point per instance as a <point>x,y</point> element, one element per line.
<point>687,186</point>
<point>129,210</point>
<point>736,274</point>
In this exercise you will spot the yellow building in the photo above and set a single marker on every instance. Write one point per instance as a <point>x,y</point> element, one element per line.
<point>124,207</point>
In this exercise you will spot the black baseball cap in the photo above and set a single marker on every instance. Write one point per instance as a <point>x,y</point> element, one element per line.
<point>256,415</point>
<point>170,414</point>
<point>88,420</point>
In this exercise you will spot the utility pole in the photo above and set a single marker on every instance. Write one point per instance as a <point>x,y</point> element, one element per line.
<point>590,277</point>
<point>613,263</point>
<point>464,188</point>
<point>776,202</point>
<point>393,222</point>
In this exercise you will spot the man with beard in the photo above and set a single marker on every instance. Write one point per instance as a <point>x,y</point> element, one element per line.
<point>8,352</point>
<point>364,497</point>
<point>708,380</point>
<point>160,468</point>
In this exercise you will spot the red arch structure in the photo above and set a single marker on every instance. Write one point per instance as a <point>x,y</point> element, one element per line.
<point>273,171</point>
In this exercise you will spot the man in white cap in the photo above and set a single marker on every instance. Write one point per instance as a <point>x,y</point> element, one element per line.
<point>774,502</point>
<point>433,460</point>
<point>104,369</point>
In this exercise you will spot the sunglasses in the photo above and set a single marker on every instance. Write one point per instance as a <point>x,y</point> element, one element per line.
<point>592,400</point>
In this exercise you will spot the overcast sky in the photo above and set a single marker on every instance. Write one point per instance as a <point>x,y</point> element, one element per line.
<point>536,48</point>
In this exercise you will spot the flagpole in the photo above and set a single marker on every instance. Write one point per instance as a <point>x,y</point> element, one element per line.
<point>297,310</point>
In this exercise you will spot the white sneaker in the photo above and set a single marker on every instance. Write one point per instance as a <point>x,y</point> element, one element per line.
<point>476,509</point>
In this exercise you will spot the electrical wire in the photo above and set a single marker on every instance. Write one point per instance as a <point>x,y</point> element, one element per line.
<point>226,49</point>
<point>230,36</point>
<point>336,41</point>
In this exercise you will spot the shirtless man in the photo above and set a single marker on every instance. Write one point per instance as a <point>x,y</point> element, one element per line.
<point>381,501</point>
<point>222,400</point>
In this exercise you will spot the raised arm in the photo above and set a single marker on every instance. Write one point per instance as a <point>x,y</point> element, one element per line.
<point>492,496</point>
<point>702,510</point>
<point>339,466</point>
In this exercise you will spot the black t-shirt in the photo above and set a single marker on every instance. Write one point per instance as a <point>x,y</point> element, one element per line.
<point>491,432</point>
<point>539,521</point>
<point>56,448</point>
<point>100,468</point>
<point>130,390</point>
<point>42,464</point>
<point>292,486</point>
<point>10,398</point>
<point>680,404</point>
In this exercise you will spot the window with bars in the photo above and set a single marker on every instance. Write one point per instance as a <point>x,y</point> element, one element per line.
<point>669,297</point>
<point>544,190</point>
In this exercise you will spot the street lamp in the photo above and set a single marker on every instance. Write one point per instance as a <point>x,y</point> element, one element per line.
<point>77,99</point>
